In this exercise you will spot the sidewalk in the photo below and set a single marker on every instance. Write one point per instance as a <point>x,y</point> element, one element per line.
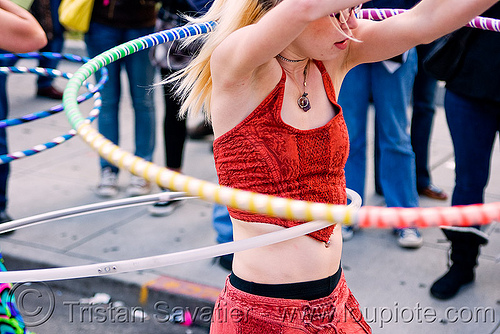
<point>390,283</point>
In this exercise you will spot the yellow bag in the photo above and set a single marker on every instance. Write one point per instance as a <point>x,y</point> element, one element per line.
<point>75,14</point>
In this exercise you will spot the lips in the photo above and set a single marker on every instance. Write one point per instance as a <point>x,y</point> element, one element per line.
<point>341,45</point>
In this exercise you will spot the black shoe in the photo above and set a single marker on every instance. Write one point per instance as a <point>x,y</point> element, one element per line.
<point>5,218</point>
<point>201,131</point>
<point>450,283</point>
<point>226,261</point>
<point>50,92</point>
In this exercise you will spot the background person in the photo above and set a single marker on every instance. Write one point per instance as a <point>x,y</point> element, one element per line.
<point>20,32</point>
<point>388,85</point>
<point>170,57</point>
<point>114,23</point>
<point>472,106</point>
<point>46,12</point>
<point>424,96</point>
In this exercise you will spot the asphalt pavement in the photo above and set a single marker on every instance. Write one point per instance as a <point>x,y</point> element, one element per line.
<point>391,283</point>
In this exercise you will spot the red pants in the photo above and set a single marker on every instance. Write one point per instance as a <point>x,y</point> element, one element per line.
<point>240,312</point>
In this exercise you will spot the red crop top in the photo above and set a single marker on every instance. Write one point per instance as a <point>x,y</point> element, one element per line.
<point>264,154</point>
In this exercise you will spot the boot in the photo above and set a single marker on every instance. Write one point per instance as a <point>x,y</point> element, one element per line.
<point>465,244</point>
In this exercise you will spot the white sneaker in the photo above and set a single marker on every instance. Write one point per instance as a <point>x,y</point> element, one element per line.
<point>108,186</point>
<point>138,186</point>
<point>409,238</point>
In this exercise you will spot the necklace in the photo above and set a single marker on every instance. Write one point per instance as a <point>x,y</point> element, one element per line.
<point>303,101</point>
<point>290,60</point>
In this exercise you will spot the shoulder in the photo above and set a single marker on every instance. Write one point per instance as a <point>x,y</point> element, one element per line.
<point>228,63</point>
<point>235,97</point>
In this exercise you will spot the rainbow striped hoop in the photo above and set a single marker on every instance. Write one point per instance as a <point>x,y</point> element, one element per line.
<point>244,200</point>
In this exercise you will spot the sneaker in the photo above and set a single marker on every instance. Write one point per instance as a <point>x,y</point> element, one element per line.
<point>409,238</point>
<point>347,232</point>
<point>108,187</point>
<point>5,218</point>
<point>138,186</point>
<point>161,209</point>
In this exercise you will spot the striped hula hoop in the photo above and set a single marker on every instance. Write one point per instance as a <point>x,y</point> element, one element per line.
<point>41,71</point>
<point>286,208</point>
<point>92,91</point>
<point>377,14</point>
<point>150,262</point>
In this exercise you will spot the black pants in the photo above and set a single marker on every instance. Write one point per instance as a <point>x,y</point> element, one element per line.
<point>174,128</point>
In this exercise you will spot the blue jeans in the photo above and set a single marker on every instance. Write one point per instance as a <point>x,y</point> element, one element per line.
<point>391,94</point>
<point>55,44</point>
<point>473,126</point>
<point>222,224</point>
<point>140,74</point>
<point>424,93</point>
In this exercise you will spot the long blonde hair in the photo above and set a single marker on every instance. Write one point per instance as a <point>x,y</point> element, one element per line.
<point>193,84</point>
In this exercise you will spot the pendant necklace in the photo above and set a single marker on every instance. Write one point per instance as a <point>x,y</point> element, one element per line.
<point>303,101</point>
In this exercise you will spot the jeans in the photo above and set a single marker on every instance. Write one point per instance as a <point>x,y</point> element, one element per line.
<point>391,94</point>
<point>174,128</point>
<point>55,44</point>
<point>424,93</point>
<point>473,126</point>
<point>140,74</point>
<point>222,223</point>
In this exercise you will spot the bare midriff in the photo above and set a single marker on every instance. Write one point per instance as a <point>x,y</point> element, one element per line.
<point>297,260</point>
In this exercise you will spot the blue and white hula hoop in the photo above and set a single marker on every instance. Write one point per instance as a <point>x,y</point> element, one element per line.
<point>6,158</point>
<point>47,72</point>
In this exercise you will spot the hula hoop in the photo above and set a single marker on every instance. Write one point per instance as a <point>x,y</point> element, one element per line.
<point>47,55</point>
<point>6,158</point>
<point>150,262</point>
<point>245,200</point>
<point>108,268</point>
<point>58,108</point>
<point>480,22</point>
<point>118,204</point>
<point>91,208</point>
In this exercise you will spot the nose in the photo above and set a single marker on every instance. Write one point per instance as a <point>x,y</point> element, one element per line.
<point>352,23</point>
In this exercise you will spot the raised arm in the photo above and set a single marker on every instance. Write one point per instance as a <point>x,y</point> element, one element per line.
<point>248,48</point>
<point>427,21</point>
<point>20,31</point>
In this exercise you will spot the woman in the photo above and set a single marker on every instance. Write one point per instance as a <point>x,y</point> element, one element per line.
<point>269,87</point>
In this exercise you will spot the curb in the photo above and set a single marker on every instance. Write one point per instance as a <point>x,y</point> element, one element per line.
<point>162,295</point>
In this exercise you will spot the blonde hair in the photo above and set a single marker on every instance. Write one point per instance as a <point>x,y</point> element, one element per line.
<point>193,84</point>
